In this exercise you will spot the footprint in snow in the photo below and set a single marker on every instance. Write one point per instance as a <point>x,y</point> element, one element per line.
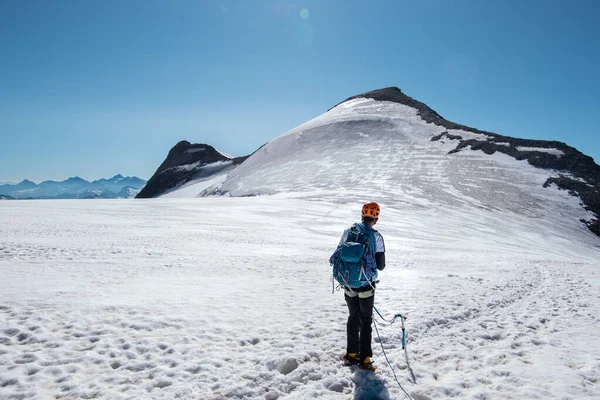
<point>369,386</point>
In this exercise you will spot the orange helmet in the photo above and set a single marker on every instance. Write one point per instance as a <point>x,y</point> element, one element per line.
<point>371,210</point>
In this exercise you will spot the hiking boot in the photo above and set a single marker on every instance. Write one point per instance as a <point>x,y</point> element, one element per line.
<point>367,365</point>
<point>351,359</point>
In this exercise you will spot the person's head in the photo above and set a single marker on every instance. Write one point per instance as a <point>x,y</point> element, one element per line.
<point>370,213</point>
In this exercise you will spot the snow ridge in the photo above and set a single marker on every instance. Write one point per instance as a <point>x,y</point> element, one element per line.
<point>388,148</point>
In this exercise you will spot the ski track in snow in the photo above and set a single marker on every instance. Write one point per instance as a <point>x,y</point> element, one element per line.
<point>230,298</point>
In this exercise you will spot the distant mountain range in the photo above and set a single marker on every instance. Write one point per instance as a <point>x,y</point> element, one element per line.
<point>117,187</point>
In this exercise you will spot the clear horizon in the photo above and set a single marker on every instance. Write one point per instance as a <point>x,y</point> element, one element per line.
<point>95,89</point>
<point>70,177</point>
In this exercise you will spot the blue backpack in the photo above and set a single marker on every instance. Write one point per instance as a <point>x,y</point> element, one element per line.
<point>354,260</point>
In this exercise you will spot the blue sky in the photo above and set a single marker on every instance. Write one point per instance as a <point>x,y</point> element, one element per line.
<point>96,88</point>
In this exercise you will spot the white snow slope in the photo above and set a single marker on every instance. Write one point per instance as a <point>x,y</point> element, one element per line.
<point>230,298</point>
<point>384,151</point>
<point>194,188</point>
<point>209,177</point>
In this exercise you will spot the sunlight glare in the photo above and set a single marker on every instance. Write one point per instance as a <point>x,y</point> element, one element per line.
<point>304,13</point>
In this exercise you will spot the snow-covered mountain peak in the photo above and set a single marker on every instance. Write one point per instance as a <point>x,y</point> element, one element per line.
<point>395,95</point>
<point>188,162</point>
<point>386,146</point>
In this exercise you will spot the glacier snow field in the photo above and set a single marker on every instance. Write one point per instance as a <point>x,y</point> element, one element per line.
<point>231,298</point>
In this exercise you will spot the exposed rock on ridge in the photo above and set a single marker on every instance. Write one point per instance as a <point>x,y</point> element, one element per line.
<point>186,162</point>
<point>571,162</point>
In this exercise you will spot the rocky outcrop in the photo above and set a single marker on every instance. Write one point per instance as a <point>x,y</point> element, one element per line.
<point>580,174</point>
<point>588,193</point>
<point>184,163</point>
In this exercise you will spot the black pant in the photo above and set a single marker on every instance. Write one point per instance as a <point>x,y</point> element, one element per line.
<point>358,328</point>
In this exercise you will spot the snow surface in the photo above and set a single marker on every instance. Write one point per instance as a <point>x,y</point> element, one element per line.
<point>197,150</point>
<point>230,298</point>
<point>224,154</point>
<point>208,176</point>
<point>384,150</point>
<point>556,152</point>
<point>194,188</point>
<point>201,164</point>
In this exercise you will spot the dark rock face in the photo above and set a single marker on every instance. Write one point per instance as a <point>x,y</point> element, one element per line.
<point>572,161</point>
<point>184,163</point>
<point>588,193</point>
<point>594,226</point>
<point>446,135</point>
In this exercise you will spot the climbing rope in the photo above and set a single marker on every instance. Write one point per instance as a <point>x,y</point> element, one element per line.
<point>390,322</point>
<point>388,361</point>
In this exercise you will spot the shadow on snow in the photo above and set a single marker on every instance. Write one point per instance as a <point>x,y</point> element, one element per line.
<point>369,386</point>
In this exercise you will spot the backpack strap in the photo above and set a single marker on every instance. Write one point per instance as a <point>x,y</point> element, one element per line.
<point>355,230</point>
